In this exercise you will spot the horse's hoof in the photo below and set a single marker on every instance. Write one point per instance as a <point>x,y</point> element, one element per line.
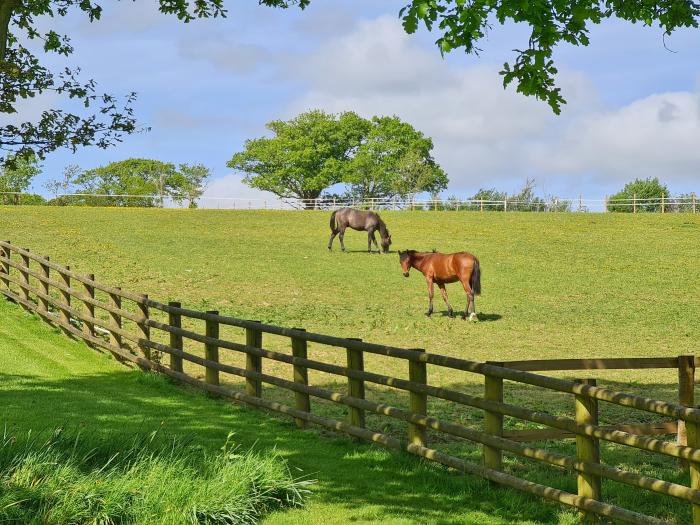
<point>473,317</point>
<point>428,314</point>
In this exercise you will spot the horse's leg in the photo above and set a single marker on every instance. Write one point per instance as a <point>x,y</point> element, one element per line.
<point>330,242</point>
<point>470,310</point>
<point>374,239</point>
<point>443,291</point>
<point>430,296</point>
<point>341,236</point>
<point>369,240</point>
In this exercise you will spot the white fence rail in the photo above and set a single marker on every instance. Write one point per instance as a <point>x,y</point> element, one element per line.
<point>681,204</point>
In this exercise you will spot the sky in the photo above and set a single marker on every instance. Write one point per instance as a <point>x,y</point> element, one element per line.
<point>205,87</point>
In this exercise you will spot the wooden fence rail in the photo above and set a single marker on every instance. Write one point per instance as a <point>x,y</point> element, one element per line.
<point>27,280</point>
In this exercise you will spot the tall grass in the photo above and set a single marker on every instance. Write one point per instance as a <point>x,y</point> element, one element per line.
<point>65,479</point>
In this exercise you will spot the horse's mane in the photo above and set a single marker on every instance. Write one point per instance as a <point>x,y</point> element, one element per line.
<point>383,230</point>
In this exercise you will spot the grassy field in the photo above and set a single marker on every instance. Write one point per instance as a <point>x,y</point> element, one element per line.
<point>554,285</point>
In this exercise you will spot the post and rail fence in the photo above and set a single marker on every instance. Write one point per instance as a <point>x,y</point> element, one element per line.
<point>74,303</point>
<point>687,203</point>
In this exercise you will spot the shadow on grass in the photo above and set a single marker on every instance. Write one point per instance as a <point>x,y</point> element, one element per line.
<point>485,318</point>
<point>354,476</point>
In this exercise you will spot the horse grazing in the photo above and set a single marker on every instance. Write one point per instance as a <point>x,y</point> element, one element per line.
<point>443,268</point>
<point>359,220</point>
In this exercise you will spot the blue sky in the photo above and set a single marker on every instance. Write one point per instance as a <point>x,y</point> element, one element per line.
<point>204,87</point>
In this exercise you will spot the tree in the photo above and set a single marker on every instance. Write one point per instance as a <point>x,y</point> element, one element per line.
<point>305,156</point>
<point>62,186</point>
<point>465,25</point>
<point>393,160</point>
<point>16,177</point>
<point>188,183</point>
<point>647,192</point>
<point>141,182</point>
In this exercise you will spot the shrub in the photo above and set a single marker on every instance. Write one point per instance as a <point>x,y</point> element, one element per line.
<point>24,199</point>
<point>493,199</point>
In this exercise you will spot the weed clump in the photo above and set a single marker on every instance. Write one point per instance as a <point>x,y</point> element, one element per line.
<point>59,479</point>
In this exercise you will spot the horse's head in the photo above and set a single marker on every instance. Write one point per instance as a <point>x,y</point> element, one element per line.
<point>386,242</point>
<point>405,260</point>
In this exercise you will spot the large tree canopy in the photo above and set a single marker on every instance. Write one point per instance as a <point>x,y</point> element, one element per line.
<point>304,157</point>
<point>379,158</point>
<point>460,24</point>
<point>394,159</point>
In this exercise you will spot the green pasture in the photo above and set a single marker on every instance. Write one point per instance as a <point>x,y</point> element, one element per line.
<point>554,286</point>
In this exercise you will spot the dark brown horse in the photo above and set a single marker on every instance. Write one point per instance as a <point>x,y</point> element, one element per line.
<point>444,268</point>
<point>359,220</point>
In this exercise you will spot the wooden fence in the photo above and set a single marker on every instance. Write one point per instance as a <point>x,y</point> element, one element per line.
<point>69,301</point>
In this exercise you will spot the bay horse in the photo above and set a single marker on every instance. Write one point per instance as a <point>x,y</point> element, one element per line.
<point>359,220</point>
<point>444,268</point>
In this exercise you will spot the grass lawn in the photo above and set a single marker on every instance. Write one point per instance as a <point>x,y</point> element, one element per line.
<point>554,285</point>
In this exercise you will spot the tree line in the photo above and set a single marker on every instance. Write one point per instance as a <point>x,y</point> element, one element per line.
<point>313,156</point>
<point>131,182</point>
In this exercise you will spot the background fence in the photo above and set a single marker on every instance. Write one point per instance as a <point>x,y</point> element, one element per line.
<point>131,326</point>
<point>670,204</point>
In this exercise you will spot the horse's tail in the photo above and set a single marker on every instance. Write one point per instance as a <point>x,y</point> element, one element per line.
<point>476,278</point>
<point>333,225</point>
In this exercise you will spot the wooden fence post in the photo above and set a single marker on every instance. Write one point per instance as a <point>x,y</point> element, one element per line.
<point>175,320</point>
<point>505,204</point>
<point>587,448</point>
<point>418,373</point>
<point>6,253</point>
<point>356,387</point>
<point>481,204</point>
<point>24,278</point>
<point>686,396</point>
<point>114,338</point>
<point>493,422</point>
<point>211,351</point>
<point>694,202</point>
<point>89,328</point>
<point>693,435</point>
<point>301,375</point>
<point>663,203</point>
<point>253,363</point>
<point>44,285</point>
<point>606,204</point>
<point>65,296</point>
<point>634,203</point>
<point>145,330</point>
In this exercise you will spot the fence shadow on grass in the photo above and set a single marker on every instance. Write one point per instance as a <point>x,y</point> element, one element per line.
<point>359,477</point>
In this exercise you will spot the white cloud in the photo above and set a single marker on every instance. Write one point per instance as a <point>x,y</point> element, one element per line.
<point>487,136</point>
<point>224,53</point>
<point>655,136</point>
